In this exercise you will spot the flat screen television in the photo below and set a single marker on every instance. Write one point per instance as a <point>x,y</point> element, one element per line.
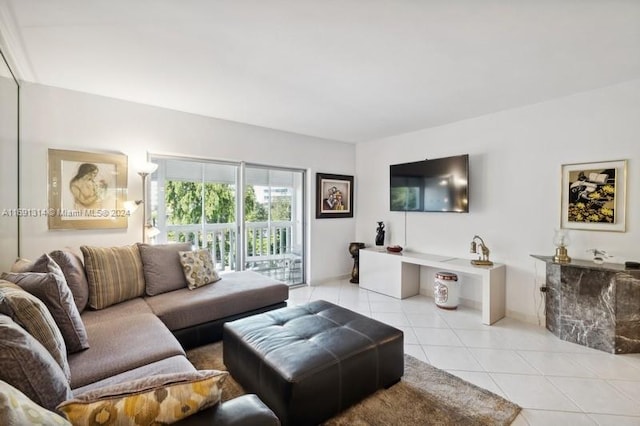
<point>438,185</point>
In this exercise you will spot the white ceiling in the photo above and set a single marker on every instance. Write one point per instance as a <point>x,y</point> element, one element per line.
<point>348,70</point>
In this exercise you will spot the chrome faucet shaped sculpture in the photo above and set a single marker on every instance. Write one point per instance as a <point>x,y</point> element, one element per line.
<point>483,259</point>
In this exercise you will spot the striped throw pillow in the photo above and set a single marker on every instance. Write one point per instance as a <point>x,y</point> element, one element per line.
<point>114,274</point>
<point>30,313</point>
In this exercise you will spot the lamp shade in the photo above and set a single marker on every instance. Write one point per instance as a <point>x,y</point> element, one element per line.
<point>561,238</point>
<point>148,168</point>
<point>132,205</point>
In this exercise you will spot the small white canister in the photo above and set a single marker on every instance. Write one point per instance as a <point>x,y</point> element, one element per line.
<point>446,290</point>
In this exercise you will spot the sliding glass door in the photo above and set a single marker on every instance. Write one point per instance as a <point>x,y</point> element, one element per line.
<point>197,201</point>
<point>273,225</point>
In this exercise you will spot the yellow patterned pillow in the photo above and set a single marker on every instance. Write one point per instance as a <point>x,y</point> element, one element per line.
<point>198,268</point>
<point>16,409</point>
<point>160,399</point>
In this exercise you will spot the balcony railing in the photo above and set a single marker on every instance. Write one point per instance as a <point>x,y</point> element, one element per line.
<point>270,246</point>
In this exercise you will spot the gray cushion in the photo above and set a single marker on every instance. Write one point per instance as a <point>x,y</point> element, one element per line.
<point>51,288</point>
<point>72,268</point>
<point>114,274</point>
<point>130,307</point>
<point>29,367</point>
<point>162,268</point>
<point>30,313</point>
<point>73,271</point>
<point>121,344</point>
<point>235,293</point>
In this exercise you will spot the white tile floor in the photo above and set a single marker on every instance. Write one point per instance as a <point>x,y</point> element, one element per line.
<point>556,382</point>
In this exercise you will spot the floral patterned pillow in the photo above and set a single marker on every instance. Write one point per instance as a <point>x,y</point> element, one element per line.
<point>198,268</point>
<point>155,400</point>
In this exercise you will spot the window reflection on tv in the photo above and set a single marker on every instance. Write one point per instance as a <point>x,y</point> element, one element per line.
<point>438,185</point>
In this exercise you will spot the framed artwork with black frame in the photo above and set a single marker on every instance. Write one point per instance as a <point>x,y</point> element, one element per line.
<point>594,196</point>
<point>334,196</point>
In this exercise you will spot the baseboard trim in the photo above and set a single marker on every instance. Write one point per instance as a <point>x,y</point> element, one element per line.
<point>329,279</point>
<point>530,319</point>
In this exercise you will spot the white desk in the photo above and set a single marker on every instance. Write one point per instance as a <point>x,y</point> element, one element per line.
<point>398,275</point>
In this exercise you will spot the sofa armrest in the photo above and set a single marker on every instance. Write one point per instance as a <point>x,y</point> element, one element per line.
<point>245,410</point>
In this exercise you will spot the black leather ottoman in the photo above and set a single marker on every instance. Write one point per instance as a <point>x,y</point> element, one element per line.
<point>308,363</point>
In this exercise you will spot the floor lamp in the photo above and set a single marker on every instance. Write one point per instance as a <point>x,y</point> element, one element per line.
<point>148,229</point>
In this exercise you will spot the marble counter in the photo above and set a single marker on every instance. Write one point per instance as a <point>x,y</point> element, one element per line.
<point>593,305</point>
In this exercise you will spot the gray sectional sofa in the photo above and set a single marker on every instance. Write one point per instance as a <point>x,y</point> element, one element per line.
<point>147,334</point>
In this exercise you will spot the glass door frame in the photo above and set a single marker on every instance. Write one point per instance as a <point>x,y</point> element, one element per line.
<point>303,213</point>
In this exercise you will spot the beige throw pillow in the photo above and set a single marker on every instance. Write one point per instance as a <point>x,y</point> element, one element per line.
<point>114,274</point>
<point>22,265</point>
<point>155,400</point>
<point>198,268</point>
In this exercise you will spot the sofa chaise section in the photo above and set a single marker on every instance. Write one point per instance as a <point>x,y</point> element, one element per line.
<point>121,344</point>
<point>196,316</point>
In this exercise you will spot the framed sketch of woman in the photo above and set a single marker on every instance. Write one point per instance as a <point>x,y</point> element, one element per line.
<point>87,190</point>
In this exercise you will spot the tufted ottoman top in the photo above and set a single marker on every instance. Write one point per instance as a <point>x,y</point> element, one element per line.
<point>317,357</point>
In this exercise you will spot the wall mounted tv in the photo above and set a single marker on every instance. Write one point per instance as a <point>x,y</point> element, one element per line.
<point>438,185</point>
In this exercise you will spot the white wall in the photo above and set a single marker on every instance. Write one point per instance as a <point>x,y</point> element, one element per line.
<point>8,167</point>
<point>515,170</point>
<point>515,160</point>
<point>63,119</point>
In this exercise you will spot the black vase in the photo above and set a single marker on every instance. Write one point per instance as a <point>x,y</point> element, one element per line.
<point>380,234</point>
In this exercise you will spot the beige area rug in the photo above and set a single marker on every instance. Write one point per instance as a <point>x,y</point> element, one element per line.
<point>424,396</point>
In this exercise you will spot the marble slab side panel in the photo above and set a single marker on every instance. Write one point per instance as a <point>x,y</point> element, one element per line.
<point>552,299</point>
<point>627,337</point>
<point>587,307</point>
